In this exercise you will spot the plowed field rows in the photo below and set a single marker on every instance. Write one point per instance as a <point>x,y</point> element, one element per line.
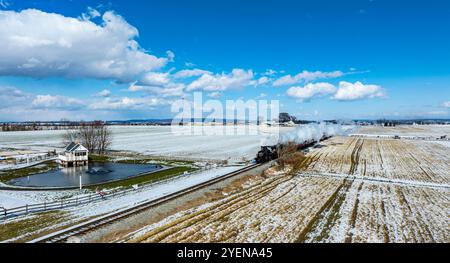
<point>393,159</point>
<point>308,208</point>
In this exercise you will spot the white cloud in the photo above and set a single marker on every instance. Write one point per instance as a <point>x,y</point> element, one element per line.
<point>261,96</point>
<point>311,90</point>
<point>91,13</point>
<point>238,78</point>
<point>446,104</point>
<point>104,93</point>
<point>11,96</point>
<point>269,72</point>
<point>127,103</point>
<point>18,105</point>
<point>187,73</point>
<point>16,100</point>
<point>12,92</point>
<point>356,91</point>
<point>170,56</point>
<point>169,90</point>
<point>306,76</point>
<point>437,113</point>
<point>155,79</point>
<point>56,102</point>
<point>263,80</point>
<point>40,44</point>
<point>215,94</point>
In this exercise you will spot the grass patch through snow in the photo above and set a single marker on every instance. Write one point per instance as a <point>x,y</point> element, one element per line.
<point>31,224</point>
<point>40,168</point>
<point>148,178</point>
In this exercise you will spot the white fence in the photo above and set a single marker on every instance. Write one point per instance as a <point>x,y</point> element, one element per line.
<point>63,203</point>
<point>79,200</point>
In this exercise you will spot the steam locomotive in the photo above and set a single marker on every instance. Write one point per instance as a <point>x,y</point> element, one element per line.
<point>269,153</point>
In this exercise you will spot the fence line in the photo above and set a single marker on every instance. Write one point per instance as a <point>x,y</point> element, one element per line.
<point>75,201</point>
<point>26,162</point>
<point>60,204</point>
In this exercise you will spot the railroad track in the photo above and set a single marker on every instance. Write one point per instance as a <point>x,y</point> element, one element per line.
<point>88,226</point>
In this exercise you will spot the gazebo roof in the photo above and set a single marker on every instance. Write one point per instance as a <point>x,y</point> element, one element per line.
<point>72,147</point>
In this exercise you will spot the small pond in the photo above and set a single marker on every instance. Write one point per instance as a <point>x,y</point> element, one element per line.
<point>94,173</point>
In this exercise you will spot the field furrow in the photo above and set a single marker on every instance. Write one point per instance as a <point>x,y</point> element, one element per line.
<point>350,190</point>
<point>393,159</point>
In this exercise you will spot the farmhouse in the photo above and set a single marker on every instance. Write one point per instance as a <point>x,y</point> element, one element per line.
<point>74,154</point>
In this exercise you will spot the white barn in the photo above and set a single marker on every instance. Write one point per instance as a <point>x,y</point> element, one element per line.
<point>74,154</point>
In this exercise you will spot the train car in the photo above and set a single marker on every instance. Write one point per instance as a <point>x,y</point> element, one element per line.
<point>269,153</point>
<point>266,154</point>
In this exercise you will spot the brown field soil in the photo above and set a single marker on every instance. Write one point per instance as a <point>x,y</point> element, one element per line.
<point>286,207</point>
<point>407,130</point>
<point>392,159</point>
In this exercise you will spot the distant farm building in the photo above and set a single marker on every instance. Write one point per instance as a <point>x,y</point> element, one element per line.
<point>74,154</point>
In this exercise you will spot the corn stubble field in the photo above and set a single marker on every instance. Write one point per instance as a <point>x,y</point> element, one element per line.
<point>408,130</point>
<point>391,159</point>
<point>311,205</point>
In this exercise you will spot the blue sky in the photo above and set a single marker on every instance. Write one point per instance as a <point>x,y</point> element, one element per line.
<point>321,59</point>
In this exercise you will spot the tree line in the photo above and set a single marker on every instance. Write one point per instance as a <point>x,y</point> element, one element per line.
<point>95,136</point>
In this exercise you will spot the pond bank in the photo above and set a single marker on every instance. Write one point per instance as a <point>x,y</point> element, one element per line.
<point>4,186</point>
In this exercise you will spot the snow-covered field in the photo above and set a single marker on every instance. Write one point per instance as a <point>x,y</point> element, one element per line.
<point>235,145</point>
<point>274,210</point>
<point>367,212</point>
<point>350,190</point>
<point>7,201</point>
<point>219,143</point>
<point>110,204</point>
<point>10,198</point>
<point>407,130</point>
<point>150,192</point>
<point>302,209</point>
<point>392,159</point>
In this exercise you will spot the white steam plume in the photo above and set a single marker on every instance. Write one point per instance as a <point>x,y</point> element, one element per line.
<point>308,132</point>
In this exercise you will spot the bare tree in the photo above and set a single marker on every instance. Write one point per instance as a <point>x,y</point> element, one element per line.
<point>103,135</point>
<point>288,155</point>
<point>70,136</point>
<point>95,136</point>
